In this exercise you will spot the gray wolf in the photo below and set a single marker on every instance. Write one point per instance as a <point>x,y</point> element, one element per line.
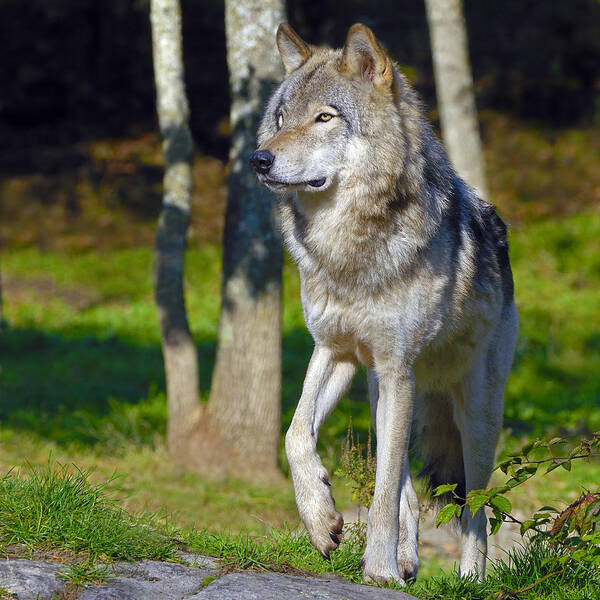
<point>403,269</point>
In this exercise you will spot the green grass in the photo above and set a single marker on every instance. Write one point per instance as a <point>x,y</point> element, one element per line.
<point>58,508</point>
<point>85,573</point>
<point>555,383</point>
<point>523,567</point>
<point>78,357</point>
<point>81,374</point>
<point>151,483</point>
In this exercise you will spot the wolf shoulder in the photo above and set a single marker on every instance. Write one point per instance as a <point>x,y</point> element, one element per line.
<point>488,241</point>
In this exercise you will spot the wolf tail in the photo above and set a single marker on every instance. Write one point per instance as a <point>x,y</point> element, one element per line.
<point>439,443</point>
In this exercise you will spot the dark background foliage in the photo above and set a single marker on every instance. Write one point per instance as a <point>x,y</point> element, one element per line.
<point>75,70</point>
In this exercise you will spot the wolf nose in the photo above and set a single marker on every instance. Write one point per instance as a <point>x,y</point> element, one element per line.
<point>262,161</point>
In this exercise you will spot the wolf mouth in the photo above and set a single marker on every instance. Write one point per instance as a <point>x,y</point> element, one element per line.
<point>317,183</point>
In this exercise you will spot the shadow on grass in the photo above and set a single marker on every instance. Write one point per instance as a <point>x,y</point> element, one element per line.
<point>91,388</point>
<point>88,389</point>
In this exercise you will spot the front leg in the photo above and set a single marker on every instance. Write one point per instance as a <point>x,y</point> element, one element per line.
<point>393,420</point>
<point>327,379</point>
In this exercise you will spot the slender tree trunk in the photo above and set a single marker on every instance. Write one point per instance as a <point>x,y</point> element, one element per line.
<point>454,86</point>
<point>245,398</point>
<point>179,351</point>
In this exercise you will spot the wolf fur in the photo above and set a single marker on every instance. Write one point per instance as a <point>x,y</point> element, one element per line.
<point>403,269</point>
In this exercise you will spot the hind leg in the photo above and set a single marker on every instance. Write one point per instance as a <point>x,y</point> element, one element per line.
<point>479,419</point>
<point>479,404</point>
<point>408,507</point>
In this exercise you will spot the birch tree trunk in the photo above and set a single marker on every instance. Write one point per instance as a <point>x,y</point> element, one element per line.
<point>245,399</point>
<point>454,87</point>
<point>179,351</point>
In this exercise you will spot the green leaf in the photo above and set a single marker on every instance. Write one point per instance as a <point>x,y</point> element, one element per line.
<point>566,465</point>
<point>527,525</point>
<point>495,525</point>
<point>444,489</point>
<point>446,514</point>
<point>498,513</point>
<point>501,503</point>
<point>511,483</point>
<point>552,466</point>
<point>475,502</point>
<point>527,448</point>
<point>556,440</point>
<point>531,469</point>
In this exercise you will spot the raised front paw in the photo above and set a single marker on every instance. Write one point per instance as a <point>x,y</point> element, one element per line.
<point>322,521</point>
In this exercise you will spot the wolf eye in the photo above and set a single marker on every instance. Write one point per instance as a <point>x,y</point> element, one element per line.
<point>279,121</point>
<point>324,117</point>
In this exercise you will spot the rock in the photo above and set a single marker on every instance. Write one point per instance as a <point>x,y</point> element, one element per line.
<point>198,560</point>
<point>38,580</point>
<point>30,579</point>
<point>149,579</point>
<point>275,586</point>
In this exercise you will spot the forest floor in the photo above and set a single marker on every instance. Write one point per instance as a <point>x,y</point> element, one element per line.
<point>81,370</point>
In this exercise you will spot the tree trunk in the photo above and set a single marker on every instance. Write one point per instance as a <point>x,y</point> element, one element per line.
<point>245,400</point>
<point>179,351</point>
<point>454,86</point>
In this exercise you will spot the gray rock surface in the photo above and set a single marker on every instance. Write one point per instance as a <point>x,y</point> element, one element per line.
<point>147,579</point>
<point>198,560</point>
<point>30,579</point>
<point>275,586</point>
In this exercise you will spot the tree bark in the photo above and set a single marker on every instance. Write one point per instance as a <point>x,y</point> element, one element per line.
<point>245,399</point>
<point>454,86</point>
<point>179,351</point>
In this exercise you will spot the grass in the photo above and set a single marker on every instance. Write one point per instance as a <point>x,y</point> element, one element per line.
<point>521,574</point>
<point>81,374</point>
<point>57,508</point>
<point>151,484</point>
<point>82,378</point>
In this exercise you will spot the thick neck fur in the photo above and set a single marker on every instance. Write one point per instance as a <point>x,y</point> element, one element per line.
<point>375,223</point>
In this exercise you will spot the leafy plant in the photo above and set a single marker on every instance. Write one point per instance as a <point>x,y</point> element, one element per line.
<point>574,533</point>
<point>358,466</point>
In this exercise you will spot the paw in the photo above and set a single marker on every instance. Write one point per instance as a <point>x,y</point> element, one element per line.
<point>326,532</point>
<point>408,568</point>
<point>322,521</point>
<point>408,561</point>
<point>380,569</point>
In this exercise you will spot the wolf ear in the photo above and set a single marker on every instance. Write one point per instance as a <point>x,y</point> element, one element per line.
<point>293,49</point>
<point>363,57</point>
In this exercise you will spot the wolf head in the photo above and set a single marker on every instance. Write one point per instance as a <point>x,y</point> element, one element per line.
<point>340,117</point>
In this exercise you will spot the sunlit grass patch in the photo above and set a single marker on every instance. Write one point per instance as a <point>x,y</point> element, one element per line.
<point>523,574</point>
<point>58,507</point>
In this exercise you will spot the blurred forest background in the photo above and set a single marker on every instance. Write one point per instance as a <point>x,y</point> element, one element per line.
<point>81,189</point>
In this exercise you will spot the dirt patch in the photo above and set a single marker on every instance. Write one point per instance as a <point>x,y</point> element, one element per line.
<point>21,289</point>
<point>109,197</point>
